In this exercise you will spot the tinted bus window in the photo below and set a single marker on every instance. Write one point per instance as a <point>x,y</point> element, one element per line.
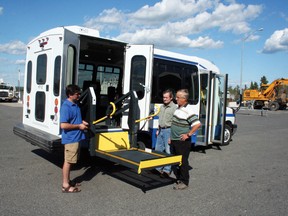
<point>41,69</point>
<point>174,75</point>
<point>85,75</point>
<point>57,68</point>
<point>70,66</point>
<point>108,78</point>
<point>40,106</point>
<point>138,71</point>
<point>29,76</point>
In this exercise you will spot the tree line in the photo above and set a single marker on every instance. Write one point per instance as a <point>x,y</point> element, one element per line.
<point>235,91</point>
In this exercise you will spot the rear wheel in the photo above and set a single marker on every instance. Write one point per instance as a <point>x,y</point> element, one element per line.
<point>274,106</point>
<point>227,135</point>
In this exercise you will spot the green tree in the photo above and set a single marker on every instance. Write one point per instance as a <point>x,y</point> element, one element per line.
<point>254,85</point>
<point>234,92</point>
<point>263,80</point>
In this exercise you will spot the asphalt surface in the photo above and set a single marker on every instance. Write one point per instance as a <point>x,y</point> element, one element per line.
<point>247,177</point>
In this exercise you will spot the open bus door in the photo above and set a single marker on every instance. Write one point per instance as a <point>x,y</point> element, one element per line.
<point>138,77</point>
<point>205,93</point>
<point>43,86</point>
<point>212,110</point>
<point>71,56</point>
<point>218,108</point>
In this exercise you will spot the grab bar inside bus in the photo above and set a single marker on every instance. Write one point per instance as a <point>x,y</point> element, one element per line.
<point>150,116</point>
<point>105,117</point>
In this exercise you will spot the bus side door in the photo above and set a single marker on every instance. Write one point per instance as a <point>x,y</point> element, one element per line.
<point>218,108</point>
<point>212,112</point>
<point>138,77</point>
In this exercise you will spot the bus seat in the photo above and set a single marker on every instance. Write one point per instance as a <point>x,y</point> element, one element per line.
<point>111,93</point>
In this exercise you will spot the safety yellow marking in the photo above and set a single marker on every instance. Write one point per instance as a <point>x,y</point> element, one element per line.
<point>110,115</point>
<point>175,159</point>
<point>150,116</point>
<point>159,162</point>
<point>120,158</point>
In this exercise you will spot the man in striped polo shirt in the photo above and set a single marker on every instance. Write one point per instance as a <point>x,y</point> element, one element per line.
<point>184,124</point>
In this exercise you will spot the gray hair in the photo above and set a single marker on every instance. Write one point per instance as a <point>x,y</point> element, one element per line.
<point>184,93</point>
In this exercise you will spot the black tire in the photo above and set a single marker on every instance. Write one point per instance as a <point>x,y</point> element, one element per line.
<point>274,106</point>
<point>227,135</point>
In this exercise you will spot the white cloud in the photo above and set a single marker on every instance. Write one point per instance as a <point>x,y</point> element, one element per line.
<point>168,10</point>
<point>278,42</point>
<point>13,47</point>
<point>108,20</point>
<point>1,10</point>
<point>20,62</point>
<point>177,23</point>
<point>163,39</point>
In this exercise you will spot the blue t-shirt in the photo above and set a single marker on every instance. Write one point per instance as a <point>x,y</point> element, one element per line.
<point>70,113</point>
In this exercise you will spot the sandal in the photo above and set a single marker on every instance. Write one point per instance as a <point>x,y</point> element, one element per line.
<point>67,189</point>
<point>74,184</point>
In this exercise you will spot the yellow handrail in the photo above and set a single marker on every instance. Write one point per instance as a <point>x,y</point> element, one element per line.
<point>150,116</point>
<point>111,114</point>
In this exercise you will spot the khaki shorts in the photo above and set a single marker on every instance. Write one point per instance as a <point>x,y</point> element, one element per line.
<point>71,152</point>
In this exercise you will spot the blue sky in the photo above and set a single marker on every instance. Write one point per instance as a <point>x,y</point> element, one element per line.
<point>211,29</point>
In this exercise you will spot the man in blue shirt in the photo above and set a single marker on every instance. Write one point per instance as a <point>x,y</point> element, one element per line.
<point>73,128</point>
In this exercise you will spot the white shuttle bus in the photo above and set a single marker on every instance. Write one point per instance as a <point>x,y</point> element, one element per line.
<point>110,69</point>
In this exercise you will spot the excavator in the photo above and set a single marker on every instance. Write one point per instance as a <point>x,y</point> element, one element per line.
<point>271,96</point>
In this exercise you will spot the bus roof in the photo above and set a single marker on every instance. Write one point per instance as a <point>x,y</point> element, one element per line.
<point>75,29</point>
<point>158,53</point>
<point>202,63</point>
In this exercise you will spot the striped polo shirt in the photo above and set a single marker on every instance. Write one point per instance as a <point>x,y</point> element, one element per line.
<point>183,119</point>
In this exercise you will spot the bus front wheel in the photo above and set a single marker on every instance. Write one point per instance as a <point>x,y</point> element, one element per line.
<point>227,135</point>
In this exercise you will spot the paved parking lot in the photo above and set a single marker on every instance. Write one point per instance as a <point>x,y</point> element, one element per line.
<point>247,177</point>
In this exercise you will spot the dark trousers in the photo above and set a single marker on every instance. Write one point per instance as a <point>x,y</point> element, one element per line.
<point>183,148</point>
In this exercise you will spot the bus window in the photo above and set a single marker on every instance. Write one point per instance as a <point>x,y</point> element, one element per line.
<point>41,69</point>
<point>108,77</point>
<point>203,90</point>
<point>174,75</point>
<point>29,75</point>
<point>85,74</point>
<point>138,72</point>
<point>70,65</point>
<point>169,80</point>
<point>195,86</point>
<point>57,68</point>
<point>192,84</point>
<point>40,106</point>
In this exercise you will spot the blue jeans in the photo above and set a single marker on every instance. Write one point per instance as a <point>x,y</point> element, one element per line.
<point>163,146</point>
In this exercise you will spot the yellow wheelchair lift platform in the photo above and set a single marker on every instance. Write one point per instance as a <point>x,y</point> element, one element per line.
<point>115,147</point>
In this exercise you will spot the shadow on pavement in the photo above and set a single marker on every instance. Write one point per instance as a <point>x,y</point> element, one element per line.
<point>92,166</point>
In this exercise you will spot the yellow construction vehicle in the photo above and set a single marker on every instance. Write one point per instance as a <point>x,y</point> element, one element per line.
<point>271,96</point>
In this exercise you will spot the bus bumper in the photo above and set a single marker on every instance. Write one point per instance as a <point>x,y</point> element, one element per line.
<point>48,142</point>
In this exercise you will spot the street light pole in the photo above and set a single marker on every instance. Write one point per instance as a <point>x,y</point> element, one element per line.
<point>242,51</point>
